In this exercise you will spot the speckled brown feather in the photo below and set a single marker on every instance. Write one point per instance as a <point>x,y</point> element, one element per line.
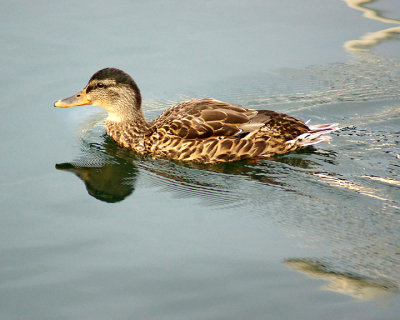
<point>209,131</point>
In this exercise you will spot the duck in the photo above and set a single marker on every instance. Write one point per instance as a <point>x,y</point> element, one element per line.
<point>200,131</point>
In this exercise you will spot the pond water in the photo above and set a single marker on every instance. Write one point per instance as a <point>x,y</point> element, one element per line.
<point>91,231</point>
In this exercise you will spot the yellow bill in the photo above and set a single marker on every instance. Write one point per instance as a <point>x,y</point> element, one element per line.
<point>78,99</point>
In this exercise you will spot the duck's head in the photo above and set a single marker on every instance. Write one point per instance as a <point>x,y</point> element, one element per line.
<point>113,90</point>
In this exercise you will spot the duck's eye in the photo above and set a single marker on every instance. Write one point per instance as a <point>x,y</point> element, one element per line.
<point>100,85</point>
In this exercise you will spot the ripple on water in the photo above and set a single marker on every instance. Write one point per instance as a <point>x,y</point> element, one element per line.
<point>343,197</point>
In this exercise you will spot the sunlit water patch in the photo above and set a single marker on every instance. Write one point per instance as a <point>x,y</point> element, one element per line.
<point>372,39</point>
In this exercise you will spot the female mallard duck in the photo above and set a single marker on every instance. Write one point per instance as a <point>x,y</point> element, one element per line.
<point>203,131</point>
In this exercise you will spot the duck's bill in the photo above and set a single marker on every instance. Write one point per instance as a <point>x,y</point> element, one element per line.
<point>78,99</point>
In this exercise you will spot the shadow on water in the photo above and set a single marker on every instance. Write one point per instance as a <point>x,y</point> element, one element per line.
<point>356,286</point>
<point>362,264</point>
<point>108,182</point>
<point>110,173</point>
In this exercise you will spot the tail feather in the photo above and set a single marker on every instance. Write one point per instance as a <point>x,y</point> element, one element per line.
<point>315,135</point>
<point>323,127</point>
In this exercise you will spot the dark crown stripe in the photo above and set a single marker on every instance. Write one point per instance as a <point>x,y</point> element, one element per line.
<point>120,77</point>
<point>114,74</point>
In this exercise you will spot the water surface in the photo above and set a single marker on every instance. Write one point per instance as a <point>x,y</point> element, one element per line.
<point>90,230</point>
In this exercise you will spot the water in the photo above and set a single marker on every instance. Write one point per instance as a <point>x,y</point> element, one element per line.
<point>89,230</point>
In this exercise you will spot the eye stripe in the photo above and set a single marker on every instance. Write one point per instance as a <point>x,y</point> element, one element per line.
<point>89,88</point>
<point>99,85</point>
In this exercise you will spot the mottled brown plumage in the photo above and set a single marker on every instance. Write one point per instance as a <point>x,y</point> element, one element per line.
<point>203,131</point>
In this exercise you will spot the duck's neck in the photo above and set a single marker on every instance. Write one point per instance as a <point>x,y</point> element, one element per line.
<point>126,123</point>
<point>128,133</point>
<point>135,119</point>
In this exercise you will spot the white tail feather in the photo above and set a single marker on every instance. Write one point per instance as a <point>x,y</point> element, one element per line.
<point>328,126</point>
<point>314,136</point>
<point>315,141</point>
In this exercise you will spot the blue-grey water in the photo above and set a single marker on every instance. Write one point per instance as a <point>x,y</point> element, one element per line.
<point>91,231</point>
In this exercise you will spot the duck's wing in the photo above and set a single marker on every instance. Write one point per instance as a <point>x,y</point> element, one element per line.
<point>200,119</point>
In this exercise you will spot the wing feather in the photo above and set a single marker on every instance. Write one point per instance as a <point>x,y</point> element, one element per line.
<point>204,118</point>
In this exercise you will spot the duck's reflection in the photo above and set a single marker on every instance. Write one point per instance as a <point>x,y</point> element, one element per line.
<point>110,173</point>
<point>345,283</point>
<point>109,183</point>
